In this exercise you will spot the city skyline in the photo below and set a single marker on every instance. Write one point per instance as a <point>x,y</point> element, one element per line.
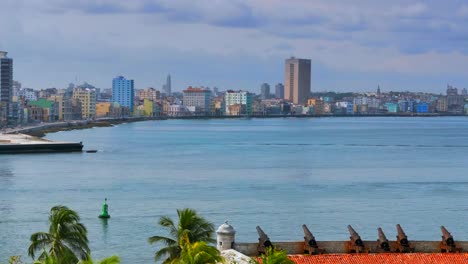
<point>401,45</point>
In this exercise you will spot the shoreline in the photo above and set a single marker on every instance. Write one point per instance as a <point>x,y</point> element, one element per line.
<point>41,130</point>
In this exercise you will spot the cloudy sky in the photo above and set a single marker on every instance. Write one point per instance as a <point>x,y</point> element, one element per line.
<point>238,44</point>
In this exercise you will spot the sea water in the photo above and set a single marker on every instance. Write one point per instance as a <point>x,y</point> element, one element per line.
<point>276,173</point>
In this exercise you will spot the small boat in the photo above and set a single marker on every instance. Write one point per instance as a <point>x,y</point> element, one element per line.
<point>91,151</point>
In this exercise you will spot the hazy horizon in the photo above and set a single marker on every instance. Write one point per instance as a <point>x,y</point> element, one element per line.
<point>401,45</point>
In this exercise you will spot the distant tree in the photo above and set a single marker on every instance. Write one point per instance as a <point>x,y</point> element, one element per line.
<point>192,226</point>
<point>273,256</point>
<point>66,242</point>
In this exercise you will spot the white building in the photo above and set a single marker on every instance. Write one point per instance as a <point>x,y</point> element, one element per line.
<point>197,98</point>
<point>28,94</point>
<point>242,98</point>
<point>177,110</point>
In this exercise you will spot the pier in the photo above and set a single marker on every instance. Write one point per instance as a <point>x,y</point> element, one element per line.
<point>21,143</point>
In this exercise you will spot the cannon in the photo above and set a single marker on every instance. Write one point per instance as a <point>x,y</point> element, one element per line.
<point>263,241</point>
<point>382,242</point>
<point>402,243</point>
<point>310,244</point>
<point>447,245</point>
<point>355,244</point>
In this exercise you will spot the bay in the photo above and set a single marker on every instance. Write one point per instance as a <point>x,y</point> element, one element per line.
<point>277,173</point>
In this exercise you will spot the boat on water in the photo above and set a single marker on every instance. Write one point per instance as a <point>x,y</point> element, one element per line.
<point>21,143</point>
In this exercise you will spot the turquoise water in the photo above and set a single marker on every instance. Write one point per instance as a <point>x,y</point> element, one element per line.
<point>276,173</point>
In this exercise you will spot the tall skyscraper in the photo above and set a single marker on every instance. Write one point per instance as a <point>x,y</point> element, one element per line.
<point>167,87</point>
<point>265,91</point>
<point>6,85</point>
<point>123,92</point>
<point>279,91</point>
<point>297,80</point>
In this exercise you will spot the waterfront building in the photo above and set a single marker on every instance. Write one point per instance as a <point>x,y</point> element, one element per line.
<point>87,99</point>
<point>452,90</point>
<point>297,80</point>
<point>316,104</point>
<point>103,109</point>
<point>149,108</point>
<point>391,107</point>
<point>199,99</point>
<point>422,107</point>
<point>64,107</point>
<point>6,85</point>
<point>123,92</point>
<point>177,110</point>
<point>279,91</point>
<point>167,88</point>
<point>264,91</point>
<point>149,93</point>
<point>442,105</point>
<point>44,110</point>
<point>242,99</point>
<point>16,88</point>
<point>28,94</point>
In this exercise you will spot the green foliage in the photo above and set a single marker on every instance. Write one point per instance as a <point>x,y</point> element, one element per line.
<point>273,256</point>
<point>66,241</point>
<point>15,260</point>
<point>191,226</point>
<point>198,253</point>
<point>109,260</point>
<point>48,259</point>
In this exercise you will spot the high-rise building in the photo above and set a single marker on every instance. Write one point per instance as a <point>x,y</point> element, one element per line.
<point>265,91</point>
<point>167,87</point>
<point>123,92</point>
<point>199,98</point>
<point>464,92</point>
<point>297,80</point>
<point>6,85</point>
<point>87,98</point>
<point>279,91</point>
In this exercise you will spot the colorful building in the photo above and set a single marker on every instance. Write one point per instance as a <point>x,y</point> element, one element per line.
<point>87,98</point>
<point>123,92</point>
<point>242,98</point>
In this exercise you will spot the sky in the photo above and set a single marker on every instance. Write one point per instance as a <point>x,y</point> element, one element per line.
<point>238,44</point>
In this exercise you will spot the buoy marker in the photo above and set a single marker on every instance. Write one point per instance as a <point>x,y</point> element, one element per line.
<point>105,210</point>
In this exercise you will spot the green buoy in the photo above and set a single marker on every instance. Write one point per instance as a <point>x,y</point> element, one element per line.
<point>104,212</point>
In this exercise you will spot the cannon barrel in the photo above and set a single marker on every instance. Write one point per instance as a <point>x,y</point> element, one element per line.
<point>401,237</point>
<point>383,241</point>
<point>447,237</point>
<point>354,236</point>
<point>309,237</point>
<point>263,238</point>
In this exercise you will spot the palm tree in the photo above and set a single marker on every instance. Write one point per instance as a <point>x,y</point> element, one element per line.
<point>273,256</point>
<point>190,224</point>
<point>198,253</point>
<point>66,240</point>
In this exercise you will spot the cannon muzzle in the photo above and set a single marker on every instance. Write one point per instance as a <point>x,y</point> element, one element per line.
<point>309,237</point>
<point>263,238</point>
<point>383,241</point>
<point>447,237</point>
<point>401,237</point>
<point>354,236</point>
